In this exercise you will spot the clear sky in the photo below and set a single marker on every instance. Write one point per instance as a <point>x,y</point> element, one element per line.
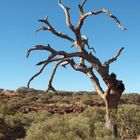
<point>18,23</point>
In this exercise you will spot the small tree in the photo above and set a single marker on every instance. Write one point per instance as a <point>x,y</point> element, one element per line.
<point>115,87</point>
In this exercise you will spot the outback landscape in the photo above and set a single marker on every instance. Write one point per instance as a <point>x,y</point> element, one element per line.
<point>29,114</point>
<point>106,113</point>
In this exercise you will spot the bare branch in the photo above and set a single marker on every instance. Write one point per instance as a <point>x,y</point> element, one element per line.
<point>38,73</point>
<point>77,67</point>
<point>81,6</point>
<point>108,62</point>
<point>91,48</point>
<point>89,57</point>
<point>41,47</point>
<point>52,29</point>
<point>66,10</point>
<point>50,87</point>
<point>89,72</point>
<point>42,68</point>
<point>67,61</point>
<point>96,83</point>
<point>42,29</point>
<point>97,13</point>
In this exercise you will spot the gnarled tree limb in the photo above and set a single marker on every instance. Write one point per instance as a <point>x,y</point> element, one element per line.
<point>81,7</point>
<point>68,61</point>
<point>90,74</point>
<point>80,23</point>
<point>89,57</point>
<point>66,10</point>
<point>62,54</point>
<point>42,68</point>
<point>96,83</point>
<point>52,29</point>
<point>50,87</point>
<point>38,73</point>
<point>40,47</point>
<point>91,48</point>
<point>108,62</point>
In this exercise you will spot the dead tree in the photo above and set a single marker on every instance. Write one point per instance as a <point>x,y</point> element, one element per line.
<point>115,87</point>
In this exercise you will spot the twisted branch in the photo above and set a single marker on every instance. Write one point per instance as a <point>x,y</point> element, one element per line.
<point>91,48</point>
<point>51,29</point>
<point>68,61</point>
<point>66,10</point>
<point>50,87</point>
<point>42,68</point>
<point>108,62</point>
<point>38,73</point>
<point>40,47</point>
<point>83,17</point>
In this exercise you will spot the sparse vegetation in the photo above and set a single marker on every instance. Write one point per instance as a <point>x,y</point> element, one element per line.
<point>72,116</point>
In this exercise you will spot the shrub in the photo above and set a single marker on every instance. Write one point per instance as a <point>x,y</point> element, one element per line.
<point>85,126</point>
<point>22,90</point>
<point>4,109</point>
<point>60,128</point>
<point>27,90</point>
<point>101,133</point>
<point>129,119</point>
<point>95,113</point>
<point>11,128</point>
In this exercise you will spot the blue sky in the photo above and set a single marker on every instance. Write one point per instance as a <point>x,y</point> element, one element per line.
<point>18,23</point>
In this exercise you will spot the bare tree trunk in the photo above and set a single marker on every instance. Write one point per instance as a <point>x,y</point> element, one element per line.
<point>111,98</point>
<point>110,121</point>
<point>111,101</point>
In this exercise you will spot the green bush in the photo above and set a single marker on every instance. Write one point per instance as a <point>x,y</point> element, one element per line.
<point>60,128</point>
<point>86,126</point>
<point>4,109</point>
<point>129,119</point>
<point>101,133</point>
<point>22,90</point>
<point>11,128</point>
<point>132,98</point>
<point>95,113</point>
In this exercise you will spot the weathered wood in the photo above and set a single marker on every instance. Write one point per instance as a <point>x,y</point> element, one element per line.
<point>115,87</point>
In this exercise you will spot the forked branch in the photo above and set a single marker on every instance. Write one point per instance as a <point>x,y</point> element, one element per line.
<point>108,62</point>
<point>81,7</point>
<point>41,69</point>
<point>50,87</point>
<point>53,30</point>
<point>68,58</point>
<point>95,62</point>
<point>67,61</point>
<point>80,23</point>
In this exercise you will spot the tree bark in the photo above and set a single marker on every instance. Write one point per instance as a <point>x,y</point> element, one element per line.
<point>112,97</point>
